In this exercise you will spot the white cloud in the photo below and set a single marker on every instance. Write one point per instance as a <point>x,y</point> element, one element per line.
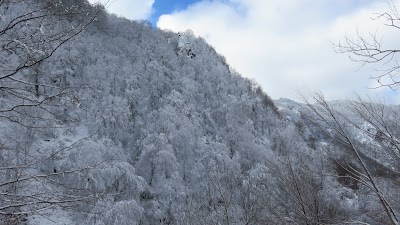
<point>285,45</point>
<point>131,9</point>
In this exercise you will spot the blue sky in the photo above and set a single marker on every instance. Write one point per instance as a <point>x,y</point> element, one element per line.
<point>167,6</point>
<point>284,45</point>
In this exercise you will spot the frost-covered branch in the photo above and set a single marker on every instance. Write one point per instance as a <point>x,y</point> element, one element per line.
<point>334,120</point>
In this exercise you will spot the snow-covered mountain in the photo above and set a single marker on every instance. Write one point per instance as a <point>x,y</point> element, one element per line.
<point>143,133</point>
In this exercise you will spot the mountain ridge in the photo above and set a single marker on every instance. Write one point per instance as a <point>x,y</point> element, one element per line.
<point>149,136</point>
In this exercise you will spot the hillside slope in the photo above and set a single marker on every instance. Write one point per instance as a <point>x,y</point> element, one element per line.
<point>144,135</point>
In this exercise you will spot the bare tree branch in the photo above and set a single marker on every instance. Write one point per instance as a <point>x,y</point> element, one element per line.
<point>368,49</point>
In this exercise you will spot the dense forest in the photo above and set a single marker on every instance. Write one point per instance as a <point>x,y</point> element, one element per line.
<point>104,120</point>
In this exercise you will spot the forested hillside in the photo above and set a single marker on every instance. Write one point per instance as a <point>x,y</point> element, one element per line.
<point>104,121</point>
